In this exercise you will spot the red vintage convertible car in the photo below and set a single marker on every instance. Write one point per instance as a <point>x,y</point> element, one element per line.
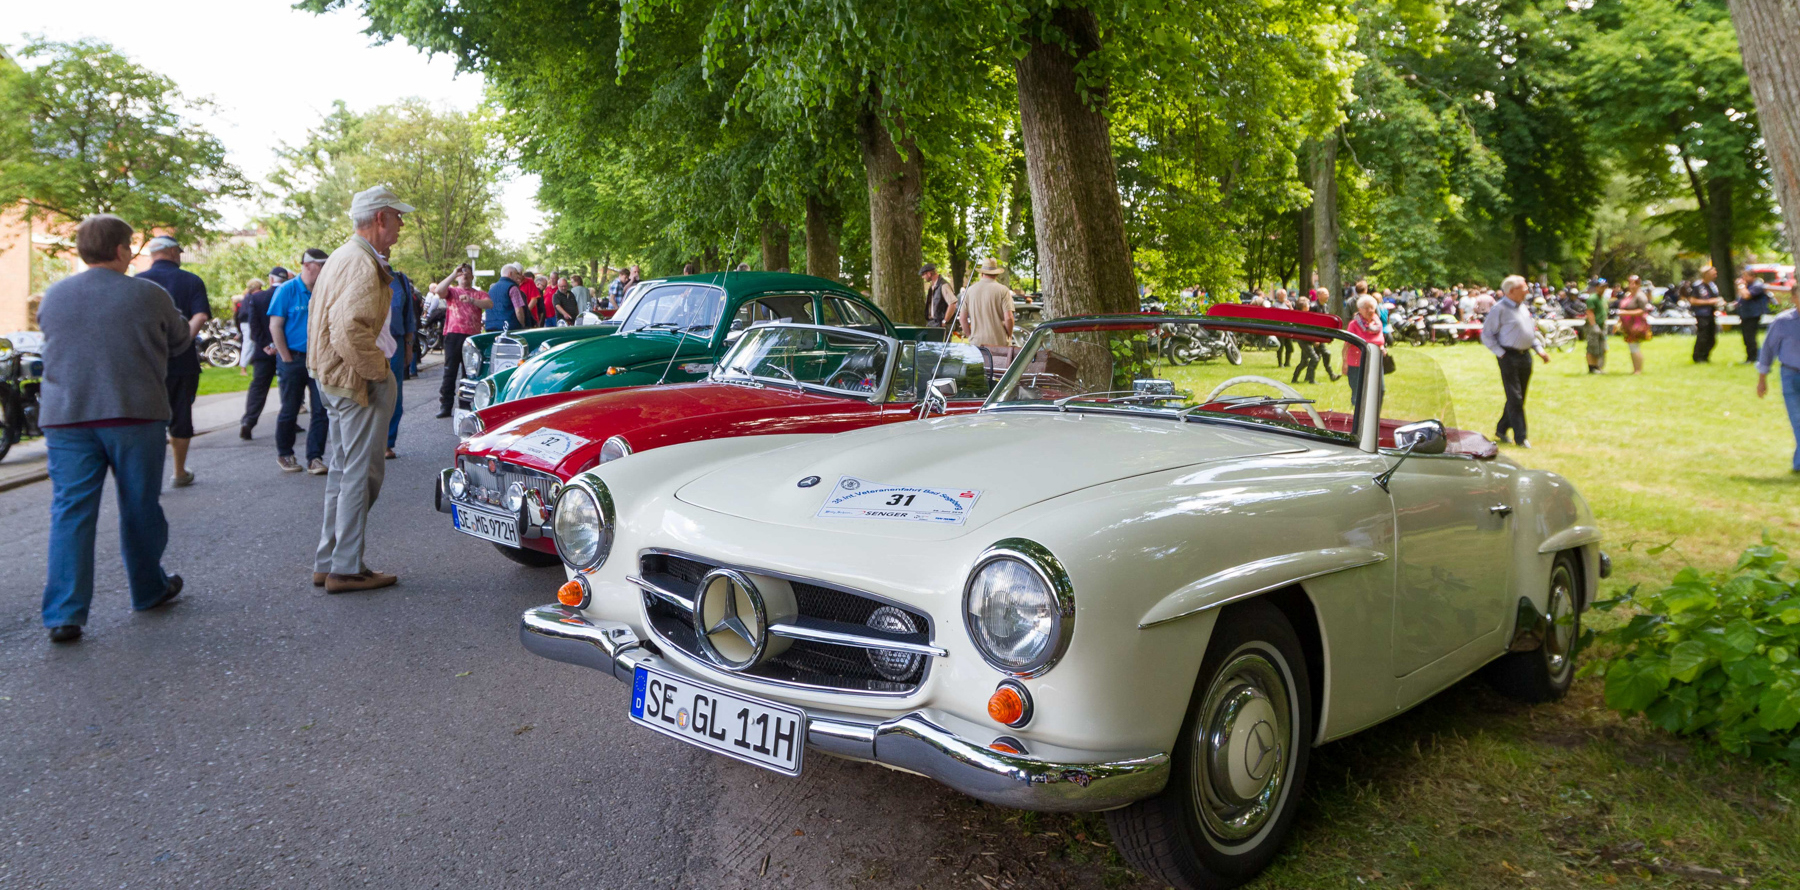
<point>778,378</point>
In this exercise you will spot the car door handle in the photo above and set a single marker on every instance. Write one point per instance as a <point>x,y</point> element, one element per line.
<point>1500,509</point>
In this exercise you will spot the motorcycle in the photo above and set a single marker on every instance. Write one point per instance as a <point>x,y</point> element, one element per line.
<point>219,343</point>
<point>1184,344</point>
<point>21,374</point>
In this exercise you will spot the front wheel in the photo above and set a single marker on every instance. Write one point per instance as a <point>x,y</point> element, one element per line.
<point>1232,353</point>
<point>1239,764</point>
<point>526,556</point>
<point>1544,674</point>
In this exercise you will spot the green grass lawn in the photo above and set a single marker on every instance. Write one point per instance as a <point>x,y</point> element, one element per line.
<point>1470,790</point>
<point>218,380</point>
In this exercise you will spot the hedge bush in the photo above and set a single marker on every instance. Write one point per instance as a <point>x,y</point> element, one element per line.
<point>1712,654</point>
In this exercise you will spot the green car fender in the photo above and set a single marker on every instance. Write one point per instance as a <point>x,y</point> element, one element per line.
<point>498,384</point>
<point>584,364</point>
<point>536,338</point>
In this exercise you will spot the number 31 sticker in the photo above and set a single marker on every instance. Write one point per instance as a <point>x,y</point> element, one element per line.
<point>854,498</point>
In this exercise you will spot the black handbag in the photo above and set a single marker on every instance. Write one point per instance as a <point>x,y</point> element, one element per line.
<point>1387,363</point>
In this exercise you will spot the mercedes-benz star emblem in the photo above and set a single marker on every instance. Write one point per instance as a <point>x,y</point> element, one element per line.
<point>1259,751</point>
<point>809,482</point>
<point>730,620</point>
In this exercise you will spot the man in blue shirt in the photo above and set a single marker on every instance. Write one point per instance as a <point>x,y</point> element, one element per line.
<point>403,326</point>
<point>183,379</point>
<point>1783,347</point>
<point>287,329</point>
<point>507,297</point>
<point>1750,311</point>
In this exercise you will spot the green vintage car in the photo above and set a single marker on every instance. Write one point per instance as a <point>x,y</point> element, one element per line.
<point>676,329</point>
<point>479,356</point>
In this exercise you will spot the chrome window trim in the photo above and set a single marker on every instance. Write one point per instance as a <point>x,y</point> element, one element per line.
<point>1050,570</point>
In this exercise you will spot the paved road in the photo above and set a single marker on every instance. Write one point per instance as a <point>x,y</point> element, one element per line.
<point>261,733</point>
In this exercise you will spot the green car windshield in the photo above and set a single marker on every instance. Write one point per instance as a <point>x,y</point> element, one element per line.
<point>691,308</point>
<point>835,359</point>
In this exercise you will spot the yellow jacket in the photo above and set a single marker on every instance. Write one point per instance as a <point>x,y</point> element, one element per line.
<point>349,307</point>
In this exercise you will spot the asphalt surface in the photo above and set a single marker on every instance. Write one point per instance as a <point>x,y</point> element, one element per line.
<point>260,733</point>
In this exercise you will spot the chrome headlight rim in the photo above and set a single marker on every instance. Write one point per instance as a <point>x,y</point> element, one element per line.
<point>483,397</point>
<point>1040,561</point>
<point>471,369</point>
<point>605,516</point>
<point>458,485</point>
<point>614,448</point>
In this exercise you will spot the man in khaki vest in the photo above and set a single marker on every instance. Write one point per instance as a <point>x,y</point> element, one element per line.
<point>988,308</point>
<point>348,349</point>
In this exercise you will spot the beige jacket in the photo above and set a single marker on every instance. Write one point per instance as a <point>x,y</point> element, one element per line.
<point>988,306</point>
<point>349,307</point>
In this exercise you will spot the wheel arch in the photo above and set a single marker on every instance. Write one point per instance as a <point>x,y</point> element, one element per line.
<point>1296,605</point>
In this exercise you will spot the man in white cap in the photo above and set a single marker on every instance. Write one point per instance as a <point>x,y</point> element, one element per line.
<point>189,294</point>
<point>348,355</point>
<point>988,308</point>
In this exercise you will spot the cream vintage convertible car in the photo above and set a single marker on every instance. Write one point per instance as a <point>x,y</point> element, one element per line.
<point>1120,586</point>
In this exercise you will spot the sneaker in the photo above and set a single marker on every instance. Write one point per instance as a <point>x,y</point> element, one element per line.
<point>173,590</point>
<point>317,467</point>
<point>244,433</point>
<point>289,463</point>
<point>364,580</point>
<point>182,481</point>
<point>67,633</point>
<point>1522,443</point>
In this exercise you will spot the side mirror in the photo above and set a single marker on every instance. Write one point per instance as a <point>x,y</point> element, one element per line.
<point>1424,437</point>
<point>734,335</point>
<point>937,397</point>
<point>944,387</point>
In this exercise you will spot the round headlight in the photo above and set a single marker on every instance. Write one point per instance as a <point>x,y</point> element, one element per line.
<point>515,497</point>
<point>1018,617</point>
<point>471,359</point>
<point>484,395</point>
<point>580,527</point>
<point>614,448</point>
<point>459,484</point>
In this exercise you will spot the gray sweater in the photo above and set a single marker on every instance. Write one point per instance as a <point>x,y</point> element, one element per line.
<point>107,343</point>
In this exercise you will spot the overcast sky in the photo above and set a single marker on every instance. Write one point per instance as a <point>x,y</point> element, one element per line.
<point>274,72</point>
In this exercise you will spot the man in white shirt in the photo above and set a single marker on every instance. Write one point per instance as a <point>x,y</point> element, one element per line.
<point>1510,333</point>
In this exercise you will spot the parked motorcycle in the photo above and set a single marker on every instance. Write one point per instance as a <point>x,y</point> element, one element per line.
<point>219,343</point>
<point>1184,344</point>
<point>21,374</point>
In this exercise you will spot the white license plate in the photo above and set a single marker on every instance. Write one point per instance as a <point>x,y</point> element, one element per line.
<point>754,731</point>
<point>496,527</point>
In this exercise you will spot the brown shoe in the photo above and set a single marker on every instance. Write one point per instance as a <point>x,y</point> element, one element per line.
<point>364,580</point>
<point>318,579</point>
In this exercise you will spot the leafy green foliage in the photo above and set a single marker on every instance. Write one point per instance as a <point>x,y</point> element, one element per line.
<point>86,130</point>
<point>1712,654</point>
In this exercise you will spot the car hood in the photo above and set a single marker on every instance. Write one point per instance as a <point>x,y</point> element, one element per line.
<point>569,365</point>
<point>1013,459</point>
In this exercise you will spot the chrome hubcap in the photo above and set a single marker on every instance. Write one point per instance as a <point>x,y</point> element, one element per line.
<point>1245,744</point>
<point>1560,641</point>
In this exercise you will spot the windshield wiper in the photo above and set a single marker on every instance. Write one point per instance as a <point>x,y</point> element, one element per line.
<point>785,373</point>
<point>659,326</point>
<point>1243,402</point>
<point>1128,395</point>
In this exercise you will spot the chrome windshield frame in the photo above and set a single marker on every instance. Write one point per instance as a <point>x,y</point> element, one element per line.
<point>1367,420</point>
<point>875,396</point>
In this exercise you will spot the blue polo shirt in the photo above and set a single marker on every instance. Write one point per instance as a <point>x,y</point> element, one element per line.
<point>292,300</point>
<point>189,294</point>
<point>501,313</point>
<point>401,320</point>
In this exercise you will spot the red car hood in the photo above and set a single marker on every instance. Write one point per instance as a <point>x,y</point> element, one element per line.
<point>563,433</point>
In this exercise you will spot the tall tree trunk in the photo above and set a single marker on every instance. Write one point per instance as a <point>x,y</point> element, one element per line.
<point>1018,202</point>
<point>710,259</point>
<point>1303,276</point>
<point>774,244</point>
<point>956,241</point>
<point>1084,263</point>
<point>1325,221</point>
<point>821,238</point>
<point>1521,228</point>
<point>1718,232</point>
<point>896,228</point>
<point>1765,30</point>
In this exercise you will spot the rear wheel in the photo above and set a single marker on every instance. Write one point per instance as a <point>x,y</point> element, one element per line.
<point>1232,354</point>
<point>1238,766</point>
<point>1544,674</point>
<point>525,556</point>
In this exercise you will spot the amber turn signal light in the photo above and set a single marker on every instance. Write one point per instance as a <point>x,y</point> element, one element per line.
<point>572,593</point>
<point>1010,704</point>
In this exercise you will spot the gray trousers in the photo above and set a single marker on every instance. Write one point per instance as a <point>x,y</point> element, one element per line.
<point>356,454</point>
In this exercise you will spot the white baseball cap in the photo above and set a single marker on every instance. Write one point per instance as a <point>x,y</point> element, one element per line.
<point>161,242</point>
<point>373,199</point>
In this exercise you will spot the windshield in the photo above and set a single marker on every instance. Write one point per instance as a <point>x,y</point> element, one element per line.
<point>972,368</point>
<point>808,358</point>
<point>1286,377</point>
<point>693,308</point>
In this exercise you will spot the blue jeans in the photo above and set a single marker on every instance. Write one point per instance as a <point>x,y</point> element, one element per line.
<point>397,364</point>
<point>79,459</point>
<point>1790,393</point>
<point>297,385</point>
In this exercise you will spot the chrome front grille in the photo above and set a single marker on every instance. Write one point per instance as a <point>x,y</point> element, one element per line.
<point>505,353</point>
<point>465,392</point>
<point>489,479</point>
<point>835,643</point>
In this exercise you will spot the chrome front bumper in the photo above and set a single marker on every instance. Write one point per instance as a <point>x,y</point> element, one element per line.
<point>533,518</point>
<point>913,742</point>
